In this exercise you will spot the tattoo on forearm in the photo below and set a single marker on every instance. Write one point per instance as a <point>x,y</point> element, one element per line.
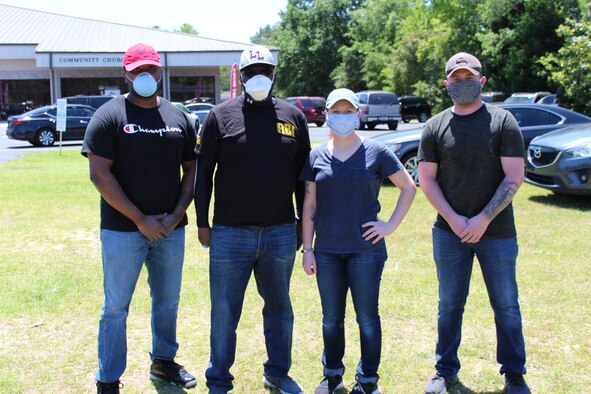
<point>307,187</point>
<point>313,215</point>
<point>501,199</point>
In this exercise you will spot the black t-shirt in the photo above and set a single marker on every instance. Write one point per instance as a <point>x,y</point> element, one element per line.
<point>259,150</point>
<point>147,146</point>
<point>468,152</point>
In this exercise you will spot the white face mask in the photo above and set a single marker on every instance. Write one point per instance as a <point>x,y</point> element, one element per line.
<point>258,87</point>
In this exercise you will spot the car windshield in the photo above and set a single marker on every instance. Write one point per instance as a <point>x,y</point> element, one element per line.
<point>313,103</point>
<point>520,99</point>
<point>183,108</point>
<point>383,99</point>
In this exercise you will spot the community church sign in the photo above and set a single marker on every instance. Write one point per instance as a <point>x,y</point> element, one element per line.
<point>75,60</point>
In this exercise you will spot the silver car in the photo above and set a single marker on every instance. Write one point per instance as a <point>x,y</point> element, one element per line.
<point>379,107</point>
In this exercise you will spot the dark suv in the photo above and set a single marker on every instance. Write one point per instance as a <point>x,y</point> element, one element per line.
<point>412,107</point>
<point>92,101</point>
<point>312,107</point>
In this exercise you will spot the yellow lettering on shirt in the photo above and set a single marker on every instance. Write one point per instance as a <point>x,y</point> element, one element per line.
<point>286,129</point>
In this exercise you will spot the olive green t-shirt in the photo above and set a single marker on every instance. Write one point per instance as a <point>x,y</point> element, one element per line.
<point>468,150</point>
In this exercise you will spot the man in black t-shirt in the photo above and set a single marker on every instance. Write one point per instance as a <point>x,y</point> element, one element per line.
<point>471,165</point>
<point>259,145</point>
<point>136,145</point>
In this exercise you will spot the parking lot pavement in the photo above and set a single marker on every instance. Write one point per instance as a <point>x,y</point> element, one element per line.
<point>320,134</point>
<point>11,149</point>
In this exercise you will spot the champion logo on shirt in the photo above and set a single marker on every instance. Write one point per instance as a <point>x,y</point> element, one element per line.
<point>134,128</point>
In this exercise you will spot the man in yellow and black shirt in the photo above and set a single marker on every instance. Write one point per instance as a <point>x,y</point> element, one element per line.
<point>259,144</point>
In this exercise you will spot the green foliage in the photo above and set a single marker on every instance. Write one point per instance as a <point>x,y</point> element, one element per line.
<point>569,68</point>
<point>519,33</point>
<point>265,35</point>
<point>188,29</point>
<point>403,45</point>
<point>310,35</point>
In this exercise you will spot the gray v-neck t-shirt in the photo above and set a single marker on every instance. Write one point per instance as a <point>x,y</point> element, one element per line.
<point>347,194</point>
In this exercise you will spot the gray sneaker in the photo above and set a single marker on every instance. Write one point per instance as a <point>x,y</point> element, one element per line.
<point>284,384</point>
<point>330,385</point>
<point>515,384</point>
<point>439,384</point>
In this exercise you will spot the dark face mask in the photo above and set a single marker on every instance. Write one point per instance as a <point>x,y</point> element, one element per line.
<point>464,92</point>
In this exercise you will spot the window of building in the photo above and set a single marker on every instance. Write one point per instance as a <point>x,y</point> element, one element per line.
<point>93,86</point>
<point>30,93</point>
<point>199,89</point>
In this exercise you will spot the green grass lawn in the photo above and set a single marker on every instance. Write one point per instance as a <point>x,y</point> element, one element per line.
<point>51,283</point>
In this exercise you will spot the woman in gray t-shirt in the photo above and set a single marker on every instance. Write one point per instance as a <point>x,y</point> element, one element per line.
<point>343,178</point>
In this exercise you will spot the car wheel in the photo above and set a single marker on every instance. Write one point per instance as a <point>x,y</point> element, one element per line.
<point>371,126</point>
<point>423,117</point>
<point>406,120</point>
<point>45,137</point>
<point>362,125</point>
<point>410,163</point>
<point>319,124</point>
<point>392,125</point>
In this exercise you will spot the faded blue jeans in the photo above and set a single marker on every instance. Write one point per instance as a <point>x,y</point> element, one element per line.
<point>124,255</point>
<point>454,260</point>
<point>362,273</point>
<point>237,251</point>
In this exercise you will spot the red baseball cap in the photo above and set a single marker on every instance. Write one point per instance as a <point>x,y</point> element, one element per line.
<point>140,54</point>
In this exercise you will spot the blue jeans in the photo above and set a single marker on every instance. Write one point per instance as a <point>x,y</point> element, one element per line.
<point>234,254</point>
<point>497,258</point>
<point>124,254</point>
<point>362,273</point>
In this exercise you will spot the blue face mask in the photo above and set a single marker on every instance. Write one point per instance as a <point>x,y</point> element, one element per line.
<point>464,92</point>
<point>342,124</point>
<point>145,85</point>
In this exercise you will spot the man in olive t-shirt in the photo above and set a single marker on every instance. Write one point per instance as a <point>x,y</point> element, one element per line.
<point>471,165</point>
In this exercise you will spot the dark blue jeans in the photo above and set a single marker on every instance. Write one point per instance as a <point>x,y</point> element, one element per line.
<point>362,273</point>
<point>235,253</point>
<point>497,258</point>
<point>124,255</point>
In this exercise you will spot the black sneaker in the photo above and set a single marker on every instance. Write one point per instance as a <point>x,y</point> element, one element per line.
<point>169,371</point>
<point>108,388</point>
<point>439,384</point>
<point>284,384</point>
<point>365,388</point>
<point>515,384</point>
<point>330,385</point>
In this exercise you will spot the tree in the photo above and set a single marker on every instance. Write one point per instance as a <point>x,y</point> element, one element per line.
<point>516,35</point>
<point>187,28</point>
<point>569,67</point>
<point>309,36</point>
<point>264,36</point>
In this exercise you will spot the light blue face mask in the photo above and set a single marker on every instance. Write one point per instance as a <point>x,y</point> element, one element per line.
<point>145,85</point>
<point>342,124</point>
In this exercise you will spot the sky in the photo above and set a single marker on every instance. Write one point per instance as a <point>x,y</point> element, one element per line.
<point>231,20</point>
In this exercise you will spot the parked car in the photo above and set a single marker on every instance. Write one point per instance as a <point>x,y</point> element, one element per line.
<point>39,125</point>
<point>200,109</point>
<point>561,160</point>
<point>379,107</point>
<point>312,107</point>
<point>494,97</point>
<point>533,120</point>
<point>92,101</point>
<point>523,98</point>
<point>14,109</point>
<point>412,107</point>
<point>192,117</point>
<point>551,99</point>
